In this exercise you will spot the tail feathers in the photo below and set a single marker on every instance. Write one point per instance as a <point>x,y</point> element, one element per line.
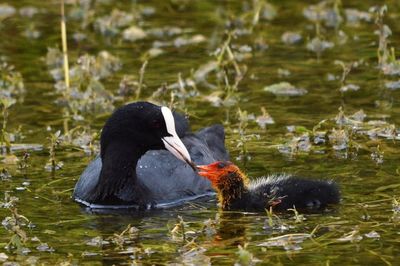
<point>303,193</point>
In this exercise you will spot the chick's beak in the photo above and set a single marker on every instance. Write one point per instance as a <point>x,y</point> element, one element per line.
<point>208,172</point>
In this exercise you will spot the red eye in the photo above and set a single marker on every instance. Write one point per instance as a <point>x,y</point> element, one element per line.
<point>156,124</point>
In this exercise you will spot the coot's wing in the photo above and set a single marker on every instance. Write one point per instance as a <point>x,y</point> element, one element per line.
<point>88,180</point>
<point>169,179</point>
<point>214,136</point>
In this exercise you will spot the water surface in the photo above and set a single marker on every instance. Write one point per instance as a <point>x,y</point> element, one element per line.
<point>368,185</point>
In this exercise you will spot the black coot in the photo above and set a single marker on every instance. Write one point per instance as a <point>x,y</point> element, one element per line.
<point>145,151</point>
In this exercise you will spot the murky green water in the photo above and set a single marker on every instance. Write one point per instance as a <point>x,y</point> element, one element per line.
<point>366,168</point>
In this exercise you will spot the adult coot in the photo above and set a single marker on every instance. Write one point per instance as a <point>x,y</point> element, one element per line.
<point>143,161</point>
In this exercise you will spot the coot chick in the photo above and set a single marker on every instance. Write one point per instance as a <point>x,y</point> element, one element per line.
<point>144,155</point>
<point>236,192</point>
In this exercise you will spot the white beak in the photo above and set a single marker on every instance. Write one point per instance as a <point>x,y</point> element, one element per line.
<point>177,148</point>
<point>173,143</point>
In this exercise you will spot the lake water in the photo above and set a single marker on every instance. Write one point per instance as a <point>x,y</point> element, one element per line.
<point>316,131</point>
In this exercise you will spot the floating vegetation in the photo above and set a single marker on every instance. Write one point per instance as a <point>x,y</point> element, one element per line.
<point>5,142</point>
<point>111,25</point>
<point>84,138</point>
<point>86,93</point>
<point>342,133</point>
<point>178,231</point>
<point>283,72</point>
<point>339,139</point>
<point>327,12</point>
<point>298,218</point>
<point>317,45</point>
<point>288,242</point>
<point>245,257</point>
<point>15,225</point>
<point>29,11</point>
<point>31,32</point>
<point>392,65</point>
<point>267,10</point>
<point>44,247</point>
<point>133,33</point>
<point>242,136</point>
<point>274,223</point>
<point>285,89</point>
<point>55,140</point>
<point>296,144</point>
<point>11,83</point>
<point>100,67</point>
<point>166,31</point>
<point>152,53</point>
<point>372,234</point>
<point>393,85</point>
<point>396,205</point>
<point>3,257</point>
<point>203,71</point>
<point>126,237</point>
<point>377,155</point>
<point>354,17</point>
<point>346,68</point>
<point>264,119</point>
<point>128,86</point>
<point>24,163</point>
<point>353,236</point>
<point>9,138</point>
<point>210,226</point>
<point>383,32</point>
<point>97,242</point>
<point>290,37</point>
<point>349,87</point>
<point>185,41</point>
<point>4,174</point>
<point>386,56</point>
<point>6,11</point>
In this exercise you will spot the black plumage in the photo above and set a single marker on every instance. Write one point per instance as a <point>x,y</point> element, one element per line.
<point>282,192</point>
<point>135,170</point>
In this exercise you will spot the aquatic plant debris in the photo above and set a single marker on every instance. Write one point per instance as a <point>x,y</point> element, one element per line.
<point>86,93</point>
<point>285,89</point>
<point>3,257</point>
<point>354,16</point>
<point>6,10</point>
<point>245,257</point>
<point>318,45</point>
<point>288,242</point>
<point>133,33</point>
<point>11,81</point>
<point>291,37</point>
<point>264,119</point>
<point>349,87</point>
<point>393,85</point>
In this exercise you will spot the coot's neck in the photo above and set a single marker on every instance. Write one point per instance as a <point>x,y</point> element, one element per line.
<point>119,162</point>
<point>232,191</point>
